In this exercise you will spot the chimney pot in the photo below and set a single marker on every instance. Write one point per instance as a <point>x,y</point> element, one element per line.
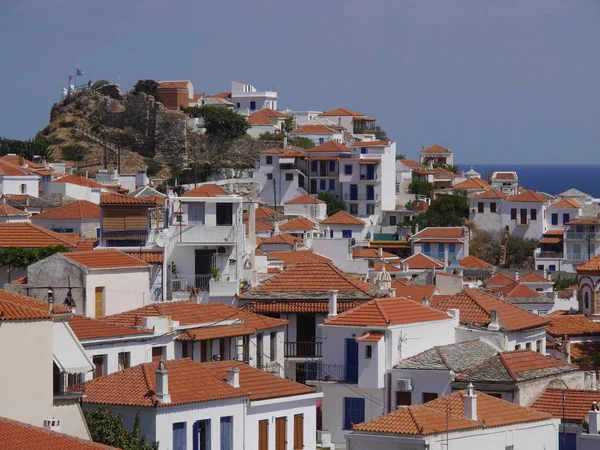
<point>392,292</point>
<point>162,383</point>
<point>333,293</point>
<point>494,321</point>
<point>594,418</point>
<point>233,377</point>
<point>425,301</point>
<point>516,275</point>
<point>470,402</point>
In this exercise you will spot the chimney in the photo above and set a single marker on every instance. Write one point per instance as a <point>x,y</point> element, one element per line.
<point>393,292</point>
<point>425,301</point>
<point>332,302</point>
<point>454,313</point>
<point>162,383</point>
<point>285,142</point>
<point>516,275</point>
<point>295,246</point>
<point>470,402</point>
<point>233,377</point>
<point>380,252</point>
<point>594,419</point>
<point>494,321</point>
<point>545,273</point>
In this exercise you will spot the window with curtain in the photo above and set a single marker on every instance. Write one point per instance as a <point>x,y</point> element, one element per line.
<point>227,433</point>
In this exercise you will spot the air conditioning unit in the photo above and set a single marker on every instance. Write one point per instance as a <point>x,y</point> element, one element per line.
<point>405,384</point>
<point>52,424</point>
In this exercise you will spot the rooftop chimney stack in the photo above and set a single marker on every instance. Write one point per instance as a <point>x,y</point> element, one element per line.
<point>594,419</point>
<point>425,301</point>
<point>494,321</point>
<point>380,251</point>
<point>393,292</point>
<point>545,273</point>
<point>162,383</point>
<point>516,275</point>
<point>233,377</point>
<point>332,302</point>
<point>470,401</point>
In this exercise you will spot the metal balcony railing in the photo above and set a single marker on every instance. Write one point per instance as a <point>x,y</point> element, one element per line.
<point>179,285</point>
<point>442,255</point>
<point>206,234</point>
<point>582,235</point>
<point>303,349</point>
<point>551,255</point>
<point>317,371</point>
<point>361,197</point>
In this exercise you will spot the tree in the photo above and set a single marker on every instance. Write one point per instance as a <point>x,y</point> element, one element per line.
<point>100,83</point>
<point>73,152</point>
<point>107,428</point>
<point>444,211</point>
<point>564,283</point>
<point>221,122</point>
<point>38,146</point>
<point>486,245</point>
<point>400,156</point>
<point>380,134</point>
<point>149,87</point>
<point>334,203</point>
<point>520,253</point>
<point>302,142</point>
<point>289,124</point>
<point>419,187</point>
<point>448,167</point>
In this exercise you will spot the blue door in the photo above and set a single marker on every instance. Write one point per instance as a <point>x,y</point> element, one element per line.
<point>179,438</point>
<point>370,172</point>
<point>202,435</point>
<point>354,411</point>
<point>426,248</point>
<point>370,192</point>
<point>351,360</point>
<point>253,105</point>
<point>227,433</point>
<point>354,192</point>
<point>567,441</point>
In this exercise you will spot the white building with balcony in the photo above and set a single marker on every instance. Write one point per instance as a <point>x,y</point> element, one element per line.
<point>360,126</point>
<point>525,214</point>
<point>441,243</point>
<point>507,182</point>
<point>436,154</point>
<point>281,175</point>
<point>247,98</point>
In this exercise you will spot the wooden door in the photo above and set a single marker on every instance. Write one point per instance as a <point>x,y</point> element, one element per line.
<point>99,302</point>
<point>263,435</point>
<point>298,431</point>
<point>280,433</point>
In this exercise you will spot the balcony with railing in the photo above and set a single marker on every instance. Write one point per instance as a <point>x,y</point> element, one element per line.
<point>576,257</point>
<point>545,254</point>
<point>303,349</point>
<point>442,255</point>
<point>342,373</point>
<point>324,173</point>
<point>69,384</point>
<point>206,234</point>
<point>361,197</point>
<point>582,235</point>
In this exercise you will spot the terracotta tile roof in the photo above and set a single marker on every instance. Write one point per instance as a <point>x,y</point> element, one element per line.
<point>285,152</point>
<point>221,95</point>
<point>341,112</point>
<point>421,261</point>
<point>436,149</point>
<point>273,270</point>
<point>87,328</point>
<point>259,118</point>
<point>261,225</point>
<point>18,436</point>
<point>533,278</point>
<point>104,259</point>
<point>21,280</point>
<point>385,312</point>
<point>261,385</point>
<point>584,354</point>
<point>491,194</point>
<point>342,218</point>
<point>7,211</point>
<point>504,175</point>
<point>148,257</point>
<point>572,325</point>
<point>305,200</point>
<point>314,129</point>
<point>12,170</point>
<point>592,265</point>
<point>566,203</point>
<point>379,265</point>
<point>281,238</point>
<point>120,199</point>
<point>360,252</point>
<point>396,282</point>
<point>528,197</point>
<point>371,144</point>
<point>577,403</point>
<point>19,161</point>
<point>416,292</point>
<point>299,223</point>
<point>311,281</point>
<point>473,183</point>
<point>27,305</point>
<point>472,262</point>
<point>86,244</point>
<point>329,147</point>
<point>214,332</point>
<point>518,290</point>
<point>78,180</point>
<point>299,256</point>
<point>499,280</point>
<point>440,233</point>
<point>79,209</point>
<point>370,336</point>
<point>13,311</point>
<point>298,307</point>
<point>412,164</point>
<point>272,113</point>
<point>189,382</point>
<point>476,306</point>
<point>173,84</point>
<point>262,212</point>
<point>191,313</point>
<point>28,235</point>
<point>432,417</point>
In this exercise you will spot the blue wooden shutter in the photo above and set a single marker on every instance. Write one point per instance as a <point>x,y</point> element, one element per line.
<point>179,437</point>
<point>354,411</point>
<point>227,433</point>
<point>195,435</point>
<point>426,248</point>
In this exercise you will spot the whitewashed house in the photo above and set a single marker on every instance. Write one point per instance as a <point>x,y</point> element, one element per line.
<point>16,180</point>
<point>485,209</point>
<point>9,214</point>
<point>436,154</point>
<point>358,125</point>
<point>281,175</point>
<point>248,99</point>
<point>306,206</point>
<point>524,214</point>
<point>324,167</point>
<point>319,134</point>
<point>81,217</point>
<point>343,225</point>
<point>225,405</point>
<point>442,243</point>
<point>507,182</point>
<point>75,186</point>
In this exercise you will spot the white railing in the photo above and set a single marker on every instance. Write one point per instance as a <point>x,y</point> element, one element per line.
<point>582,235</point>
<point>206,234</point>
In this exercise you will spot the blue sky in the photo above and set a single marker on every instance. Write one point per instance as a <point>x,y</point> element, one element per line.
<point>497,81</point>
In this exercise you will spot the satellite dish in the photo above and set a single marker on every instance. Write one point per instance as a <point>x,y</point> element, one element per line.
<point>161,239</point>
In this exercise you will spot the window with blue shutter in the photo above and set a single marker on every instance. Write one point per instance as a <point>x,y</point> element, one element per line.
<point>323,185</point>
<point>554,219</point>
<point>451,250</point>
<point>363,150</point>
<point>354,411</point>
<point>566,218</point>
<point>426,248</point>
<point>313,166</point>
<point>321,140</point>
<point>227,433</point>
<point>332,185</point>
<point>202,435</point>
<point>332,166</point>
<point>347,169</point>
<point>179,436</point>
<point>347,234</point>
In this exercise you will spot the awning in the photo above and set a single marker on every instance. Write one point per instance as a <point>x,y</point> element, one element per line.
<point>287,160</point>
<point>369,161</point>
<point>69,355</point>
<point>551,240</point>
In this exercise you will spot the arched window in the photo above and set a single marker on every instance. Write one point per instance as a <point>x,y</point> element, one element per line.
<point>586,301</point>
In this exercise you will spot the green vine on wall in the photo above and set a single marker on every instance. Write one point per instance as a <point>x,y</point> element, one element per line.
<point>23,257</point>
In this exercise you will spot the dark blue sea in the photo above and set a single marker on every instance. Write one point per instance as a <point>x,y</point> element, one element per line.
<point>552,179</point>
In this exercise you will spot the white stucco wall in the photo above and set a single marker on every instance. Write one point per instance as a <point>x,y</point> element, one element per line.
<point>73,190</point>
<point>423,381</point>
<point>533,229</point>
<point>13,185</point>
<point>124,289</point>
<point>86,228</point>
<point>313,211</point>
<point>139,352</point>
<point>70,414</point>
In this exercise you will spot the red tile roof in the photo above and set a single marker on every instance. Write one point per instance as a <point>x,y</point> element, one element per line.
<point>261,385</point>
<point>533,278</point>
<point>19,161</point>
<point>329,147</point>
<point>386,312</point>
<point>299,223</point>
<point>20,280</point>
<point>13,311</point>
<point>359,252</point>
<point>299,256</point>
<point>206,190</point>
<point>447,414</point>
<point>87,328</point>
<point>79,209</point>
<point>105,259</point>
<point>259,118</point>
<point>7,211</point>
<point>342,218</point>
<point>305,200</point>
<point>577,403</point>
<point>191,313</point>
<point>371,144</point>
<point>28,235</point>
<point>491,194</point>
<point>499,279</point>
<point>221,95</point>
<point>473,183</point>
<point>173,84</point>
<point>18,305</point>
<point>214,332</point>
<point>262,212</point>
<point>284,152</point>
<point>415,292</point>
<point>281,238</point>
<point>78,180</point>
<point>504,175</point>
<point>440,233</point>
<point>412,164</point>
<point>120,199</point>
<point>421,261</point>
<point>298,307</point>
<point>18,436</point>
<point>572,325</point>
<point>527,197</point>
<point>476,306</point>
<point>566,203</point>
<point>518,290</point>
<point>370,336</point>
<point>12,170</point>
<point>341,112</point>
<point>590,266</point>
<point>378,266</point>
<point>436,149</point>
<point>189,382</point>
<point>85,245</point>
<point>472,262</point>
<point>148,257</point>
<point>261,225</point>
<point>314,129</point>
